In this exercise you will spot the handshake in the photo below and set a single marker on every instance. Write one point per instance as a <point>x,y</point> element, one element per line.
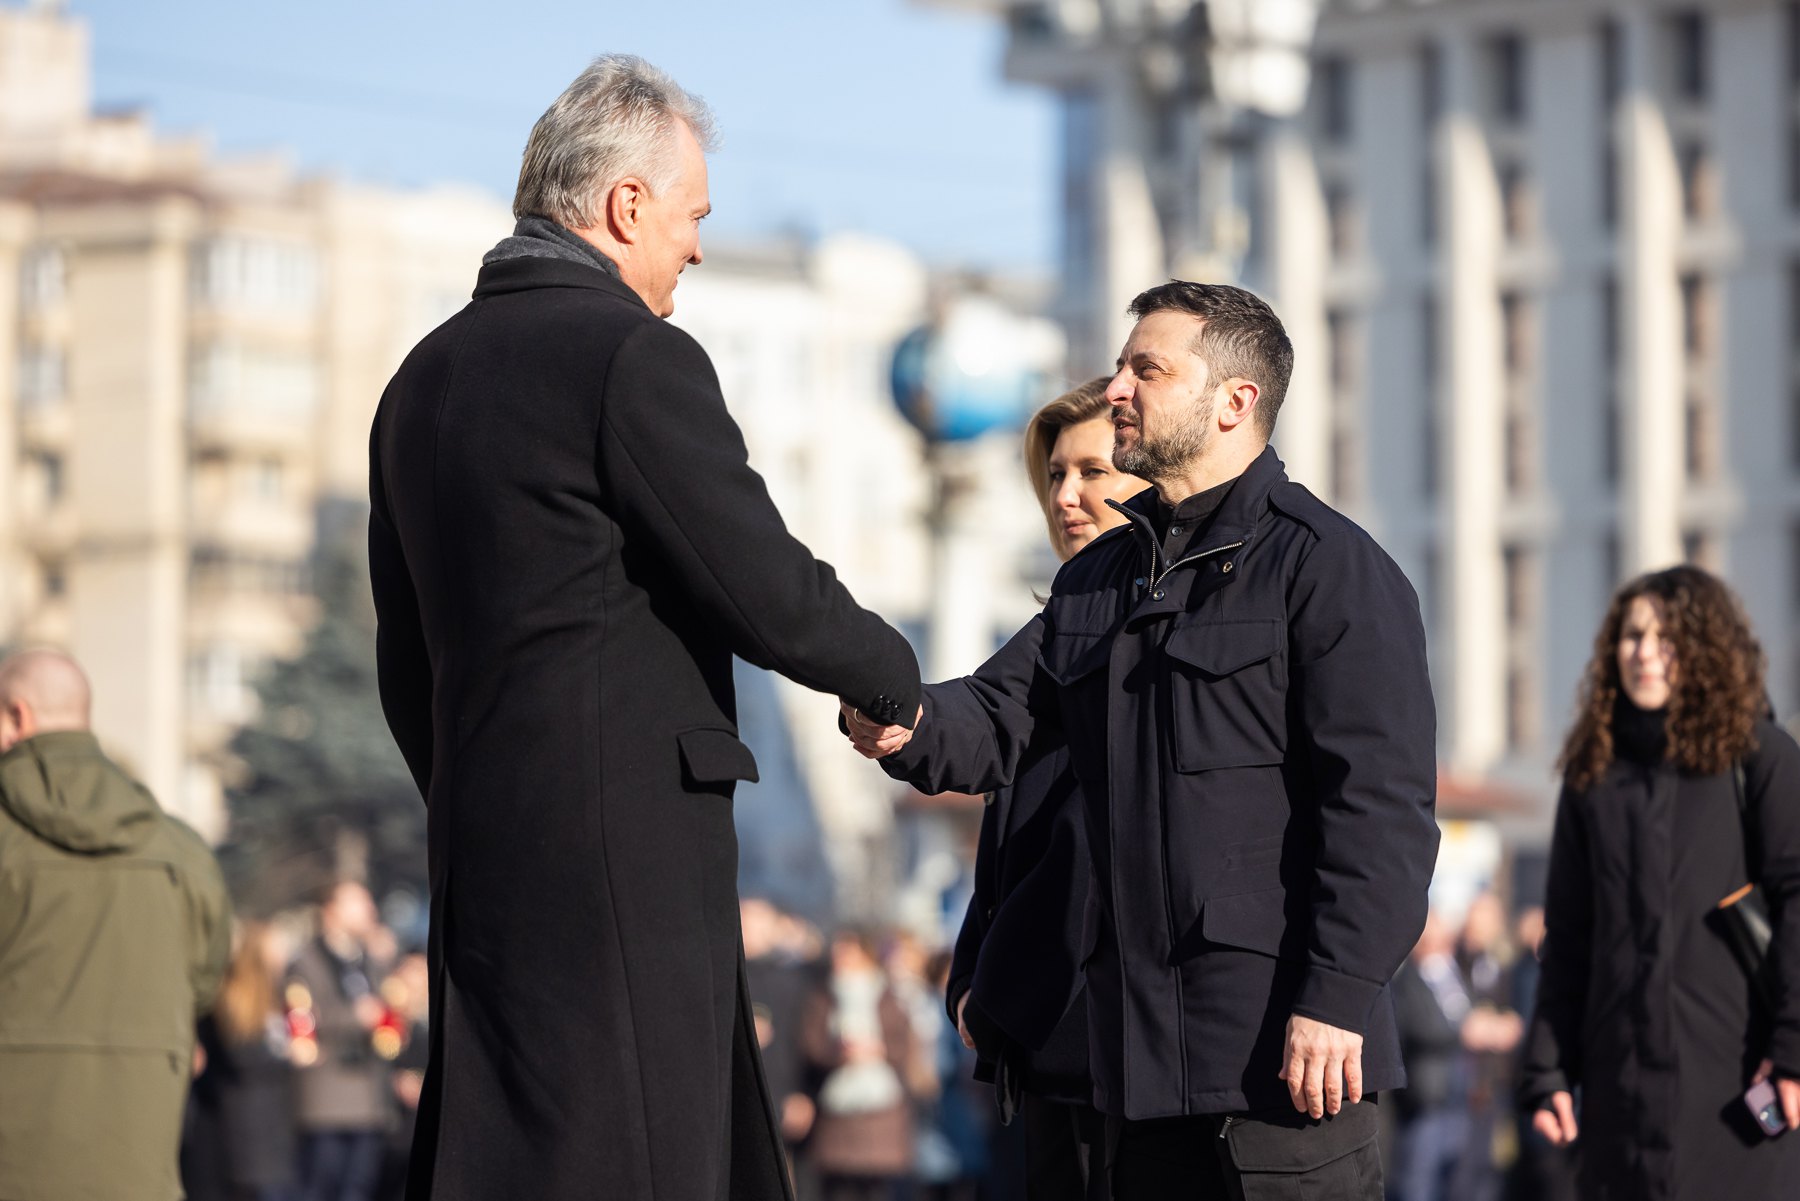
<point>871,740</point>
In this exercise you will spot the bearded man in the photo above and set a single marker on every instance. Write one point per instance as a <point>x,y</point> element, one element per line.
<point>1239,676</point>
<point>568,547</point>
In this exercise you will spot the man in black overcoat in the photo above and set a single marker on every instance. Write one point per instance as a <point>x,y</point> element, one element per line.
<point>568,547</point>
<point>1238,674</point>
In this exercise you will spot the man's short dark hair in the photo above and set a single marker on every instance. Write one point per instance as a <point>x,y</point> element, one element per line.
<point>1241,337</point>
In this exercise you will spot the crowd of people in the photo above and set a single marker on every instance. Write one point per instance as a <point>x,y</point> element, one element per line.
<point>308,1066</point>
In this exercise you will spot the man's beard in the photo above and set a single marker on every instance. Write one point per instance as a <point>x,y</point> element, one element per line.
<point>1168,456</point>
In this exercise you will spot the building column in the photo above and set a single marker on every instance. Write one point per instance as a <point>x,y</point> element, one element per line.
<point>128,286</point>
<point>1651,350</point>
<point>1294,224</point>
<point>1469,210</point>
<point>1132,256</point>
<point>15,228</point>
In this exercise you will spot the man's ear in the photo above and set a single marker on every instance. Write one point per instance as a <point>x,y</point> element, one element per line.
<point>1238,404</point>
<point>625,209</point>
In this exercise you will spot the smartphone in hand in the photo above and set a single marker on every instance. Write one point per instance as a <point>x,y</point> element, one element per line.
<point>1765,1107</point>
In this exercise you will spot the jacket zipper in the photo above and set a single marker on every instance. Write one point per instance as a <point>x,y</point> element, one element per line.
<point>1193,558</point>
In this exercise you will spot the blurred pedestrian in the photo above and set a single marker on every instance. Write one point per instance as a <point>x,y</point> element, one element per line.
<point>568,547</point>
<point>407,993</point>
<point>778,983</point>
<point>1015,992</point>
<point>1261,833</point>
<point>345,1090</point>
<point>1432,1124</point>
<point>1647,1030</point>
<point>857,1033</point>
<point>114,931</point>
<point>962,1115</point>
<point>244,1096</point>
<point>1491,1035</point>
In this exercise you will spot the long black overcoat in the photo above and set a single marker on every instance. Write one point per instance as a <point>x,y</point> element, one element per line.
<point>1641,1004</point>
<point>568,547</point>
<point>1253,729</point>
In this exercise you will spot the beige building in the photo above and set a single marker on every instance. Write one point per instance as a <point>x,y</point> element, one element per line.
<point>195,348</point>
<point>1541,260</point>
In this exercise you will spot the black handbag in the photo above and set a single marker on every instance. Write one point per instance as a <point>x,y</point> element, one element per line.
<point>1744,915</point>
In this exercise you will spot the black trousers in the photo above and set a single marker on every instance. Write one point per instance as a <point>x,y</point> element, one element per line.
<point>1065,1151</point>
<point>1267,1155</point>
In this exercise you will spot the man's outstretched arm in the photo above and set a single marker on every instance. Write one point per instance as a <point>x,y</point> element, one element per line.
<point>969,733</point>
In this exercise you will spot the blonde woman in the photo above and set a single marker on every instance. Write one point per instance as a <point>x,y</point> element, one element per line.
<point>1015,983</point>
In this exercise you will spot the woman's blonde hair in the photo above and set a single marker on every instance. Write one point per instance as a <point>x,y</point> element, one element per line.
<point>1046,425</point>
<point>247,996</point>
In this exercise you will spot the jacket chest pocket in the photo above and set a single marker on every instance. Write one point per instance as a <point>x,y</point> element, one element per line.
<point>1076,663</point>
<point>1228,693</point>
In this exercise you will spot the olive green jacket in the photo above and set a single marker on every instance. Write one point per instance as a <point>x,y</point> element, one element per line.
<point>114,931</point>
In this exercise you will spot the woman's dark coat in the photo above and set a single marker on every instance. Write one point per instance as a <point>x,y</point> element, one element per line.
<point>568,547</point>
<point>1253,729</point>
<point>1018,954</point>
<point>1642,1005</point>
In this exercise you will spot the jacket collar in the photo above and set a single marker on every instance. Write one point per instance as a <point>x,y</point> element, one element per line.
<point>1234,523</point>
<point>525,274</point>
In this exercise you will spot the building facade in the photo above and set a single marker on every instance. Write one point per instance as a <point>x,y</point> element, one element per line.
<point>1541,263</point>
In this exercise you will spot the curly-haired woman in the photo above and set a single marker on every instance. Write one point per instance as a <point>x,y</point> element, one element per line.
<point>1643,1012</point>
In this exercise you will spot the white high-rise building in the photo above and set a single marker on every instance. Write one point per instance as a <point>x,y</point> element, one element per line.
<point>1541,263</point>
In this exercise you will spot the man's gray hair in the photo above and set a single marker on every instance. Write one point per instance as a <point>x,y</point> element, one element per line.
<point>617,120</point>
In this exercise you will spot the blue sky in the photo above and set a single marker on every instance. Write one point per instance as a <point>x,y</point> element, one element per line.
<point>878,115</point>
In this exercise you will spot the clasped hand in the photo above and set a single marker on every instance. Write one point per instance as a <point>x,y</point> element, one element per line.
<point>872,740</point>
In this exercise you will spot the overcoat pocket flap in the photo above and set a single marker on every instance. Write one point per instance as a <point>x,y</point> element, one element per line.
<point>712,756</point>
<point>1291,1142</point>
<point>1219,648</point>
<point>1255,921</point>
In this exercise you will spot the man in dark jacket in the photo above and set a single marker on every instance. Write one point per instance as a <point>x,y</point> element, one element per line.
<point>1239,676</point>
<point>114,931</point>
<point>568,547</point>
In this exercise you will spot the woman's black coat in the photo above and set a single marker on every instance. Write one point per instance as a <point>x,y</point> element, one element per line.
<point>1022,940</point>
<point>568,547</point>
<point>1642,1005</point>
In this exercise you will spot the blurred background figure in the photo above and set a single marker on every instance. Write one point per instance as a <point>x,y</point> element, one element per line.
<point>959,1120</point>
<point>114,930</point>
<point>241,1141</point>
<point>1491,1035</point>
<point>344,1041</point>
<point>1431,1004</point>
<point>407,994</point>
<point>858,1035</point>
<point>1643,1010</point>
<point>779,978</point>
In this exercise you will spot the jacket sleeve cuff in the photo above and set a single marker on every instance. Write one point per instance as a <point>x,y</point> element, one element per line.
<point>1784,1052</point>
<point>1336,999</point>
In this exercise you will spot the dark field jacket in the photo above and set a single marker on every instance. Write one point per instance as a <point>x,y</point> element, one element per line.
<point>1253,729</point>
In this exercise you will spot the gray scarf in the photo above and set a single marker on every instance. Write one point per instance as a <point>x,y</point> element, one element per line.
<point>542,238</point>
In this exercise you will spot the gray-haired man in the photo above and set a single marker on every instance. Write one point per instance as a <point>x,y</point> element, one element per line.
<point>568,547</point>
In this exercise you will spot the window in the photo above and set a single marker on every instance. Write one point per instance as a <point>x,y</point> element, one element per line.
<point>1432,603</point>
<point>1340,217</point>
<point>1701,453</point>
<point>1516,215</point>
<point>1518,343</point>
<point>1610,432</point>
<point>1521,708</point>
<point>1346,482</point>
<point>255,273</point>
<point>1611,328</point>
<point>1519,449</point>
<point>43,374</point>
<point>1428,205</point>
<point>1506,68</point>
<point>1697,328</point>
<point>43,278</point>
<point>1432,431</point>
<point>1609,187</point>
<point>227,376</point>
<point>1699,182</point>
<point>1612,561</point>
<point>267,480</point>
<point>1520,582</point>
<point>1334,99</point>
<point>1343,349</point>
<point>1701,548</point>
<point>1687,55</point>
<point>56,580</point>
<point>51,482</point>
<point>1612,63</point>
<point>1431,83</point>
